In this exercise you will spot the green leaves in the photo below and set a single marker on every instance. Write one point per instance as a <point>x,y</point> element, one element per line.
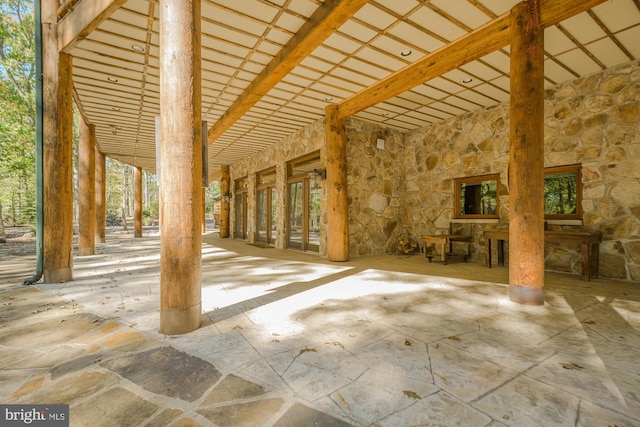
<point>17,107</point>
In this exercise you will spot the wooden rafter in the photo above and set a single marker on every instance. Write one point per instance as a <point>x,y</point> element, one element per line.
<point>474,45</point>
<point>331,15</point>
<point>608,32</point>
<point>84,18</point>
<point>482,41</point>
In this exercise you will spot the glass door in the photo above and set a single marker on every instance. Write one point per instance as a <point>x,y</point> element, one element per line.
<point>296,215</point>
<point>240,229</point>
<point>313,232</point>
<point>266,197</point>
<point>261,215</point>
<point>303,203</point>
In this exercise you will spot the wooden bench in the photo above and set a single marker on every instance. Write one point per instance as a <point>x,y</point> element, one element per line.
<point>590,247</point>
<point>442,241</point>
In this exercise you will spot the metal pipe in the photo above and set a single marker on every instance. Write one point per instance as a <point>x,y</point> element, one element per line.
<point>39,152</point>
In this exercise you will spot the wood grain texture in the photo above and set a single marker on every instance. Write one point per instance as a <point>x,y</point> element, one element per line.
<point>137,202</point>
<point>101,197</point>
<point>526,162</point>
<point>86,188</point>
<point>181,166</point>
<point>337,200</point>
<point>323,23</point>
<point>57,152</point>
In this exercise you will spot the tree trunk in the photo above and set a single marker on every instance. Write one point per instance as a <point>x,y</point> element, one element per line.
<point>3,236</point>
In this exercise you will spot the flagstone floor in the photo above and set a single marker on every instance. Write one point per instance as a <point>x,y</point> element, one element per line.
<point>290,339</point>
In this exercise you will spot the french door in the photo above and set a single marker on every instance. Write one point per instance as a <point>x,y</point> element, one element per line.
<point>303,216</point>
<point>266,215</point>
<point>240,228</point>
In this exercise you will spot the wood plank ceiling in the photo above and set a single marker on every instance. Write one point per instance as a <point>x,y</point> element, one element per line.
<point>116,69</point>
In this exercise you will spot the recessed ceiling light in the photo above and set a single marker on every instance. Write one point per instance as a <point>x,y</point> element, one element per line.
<point>385,114</point>
<point>137,48</point>
<point>469,80</point>
<point>328,98</point>
<point>112,79</point>
<point>406,52</point>
<point>115,108</point>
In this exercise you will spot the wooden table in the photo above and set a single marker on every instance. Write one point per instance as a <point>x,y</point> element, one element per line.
<point>590,247</point>
<point>442,241</point>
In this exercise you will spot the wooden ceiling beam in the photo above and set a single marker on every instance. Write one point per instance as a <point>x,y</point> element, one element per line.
<point>478,43</point>
<point>84,18</point>
<point>324,22</point>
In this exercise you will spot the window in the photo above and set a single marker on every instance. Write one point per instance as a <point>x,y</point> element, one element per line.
<point>563,192</point>
<point>477,196</point>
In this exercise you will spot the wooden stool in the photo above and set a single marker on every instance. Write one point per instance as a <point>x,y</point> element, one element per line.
<point>442,241</point>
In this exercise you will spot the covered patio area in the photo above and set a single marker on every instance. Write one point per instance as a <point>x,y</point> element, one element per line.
<point>291,339</point>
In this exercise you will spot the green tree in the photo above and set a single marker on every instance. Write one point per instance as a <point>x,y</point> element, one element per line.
<point>17,111</point>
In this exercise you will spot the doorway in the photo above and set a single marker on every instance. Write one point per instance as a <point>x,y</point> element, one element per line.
<point>303,203</point>
<point>266,214</point>
<point>240,229</point>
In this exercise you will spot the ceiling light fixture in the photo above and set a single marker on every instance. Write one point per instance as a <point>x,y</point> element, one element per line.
<point>406,52</point>
<point>137,48</point>
<point>115,108</point>
<point>385,114</point>
<point>328,98</point>
<point>112,79</point>
<point>469,80</point>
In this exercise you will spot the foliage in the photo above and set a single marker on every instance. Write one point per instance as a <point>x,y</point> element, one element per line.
<point>17,111</point>
<point>113,218</point>
<point>560,194</point>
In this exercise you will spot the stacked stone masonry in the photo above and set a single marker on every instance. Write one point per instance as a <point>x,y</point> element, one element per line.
<point>405,190</point>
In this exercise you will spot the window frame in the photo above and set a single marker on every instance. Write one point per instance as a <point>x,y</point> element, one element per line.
<point>577,168</point>
<point>457,187</point>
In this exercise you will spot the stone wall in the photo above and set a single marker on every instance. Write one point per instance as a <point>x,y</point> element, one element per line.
<point>305,141</point>
<point>407,188</point>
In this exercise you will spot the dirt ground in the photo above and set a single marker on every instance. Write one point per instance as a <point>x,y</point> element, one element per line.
<point>20,241</point>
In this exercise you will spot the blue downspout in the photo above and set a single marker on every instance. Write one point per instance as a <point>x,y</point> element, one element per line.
<point>39,151</point>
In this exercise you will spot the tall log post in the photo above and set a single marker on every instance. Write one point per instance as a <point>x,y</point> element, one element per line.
<point>137,202</point>
<point>58,152</point>
<point>101,197</point>
<point>86,189</point>
<point>337,202</point>
<point>225,191</point>
<point>204,210</point>
<point>526,171</point>
<point>181,166</point>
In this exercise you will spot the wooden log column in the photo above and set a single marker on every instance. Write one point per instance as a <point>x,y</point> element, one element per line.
<point>58,152</point>
<point>137,202</point>
<point>86,189</point>
<point>204,210</point>
<point>101,197</point>
<point>225,191</point>
<point>337,202</point>
<point>181,166</point>
<point>526,163</point>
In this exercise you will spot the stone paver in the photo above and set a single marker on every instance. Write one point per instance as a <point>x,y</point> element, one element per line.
<point>289,339</point>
